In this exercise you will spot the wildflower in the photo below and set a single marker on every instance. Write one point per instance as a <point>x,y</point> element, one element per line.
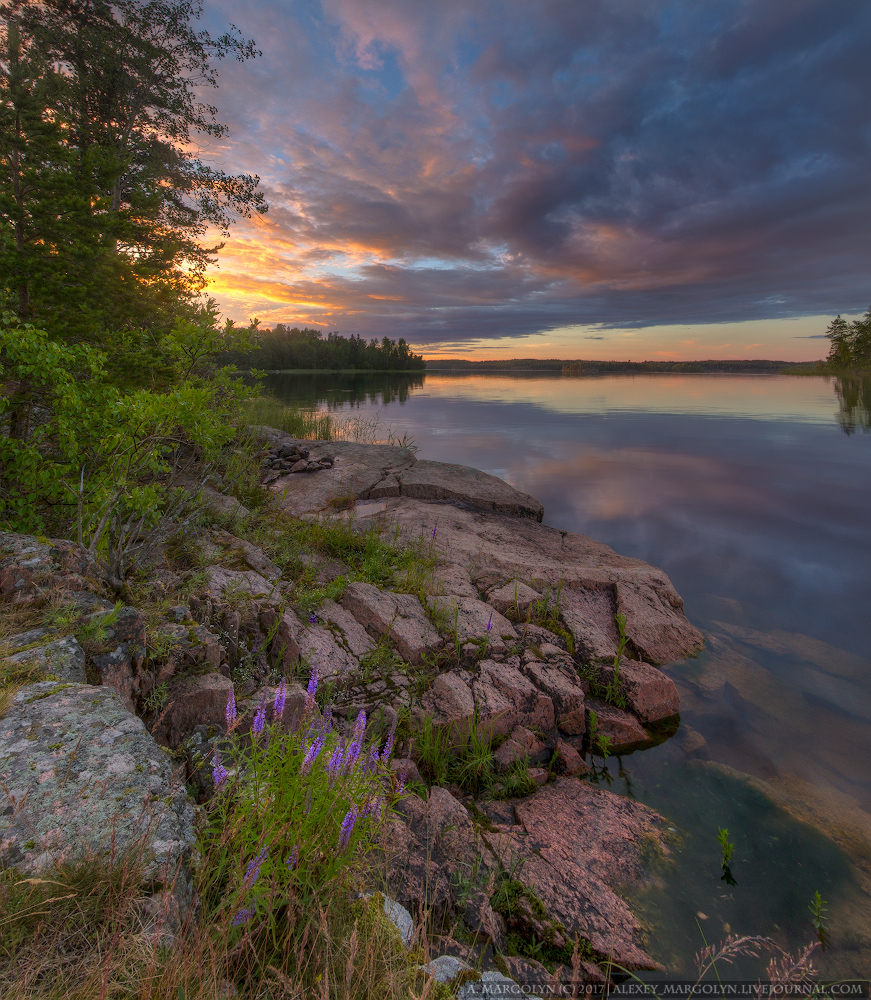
<point>242,917</point>
<point>219,772</point>
<point>403,777</point>
<point>435,529</point>
<point>312,686</point>
<point>371,761</point>
<point>312,618</point>
<point>388,746</point>
<point>328,719</point>
<point>259,720</point>
<point>347,828</point>
<point>312,755</point>
<point>253,869</point>
<point>292,858</point>
<point>351,759</point>
<point>490,622</point>
<point>335,765</point>
<point>360,726</point>
<point>230,711</point>
<point>373,807</point>
<point>278,704</point>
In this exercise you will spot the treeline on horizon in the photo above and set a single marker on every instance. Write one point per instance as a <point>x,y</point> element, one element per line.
<point>283,347</point>
<point>604,367</point>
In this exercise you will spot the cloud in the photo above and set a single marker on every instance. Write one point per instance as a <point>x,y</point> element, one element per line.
<point>474,169</point>
<point>812,336</point>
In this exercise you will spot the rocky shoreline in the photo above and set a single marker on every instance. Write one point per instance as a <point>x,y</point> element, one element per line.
<point>515,631</point>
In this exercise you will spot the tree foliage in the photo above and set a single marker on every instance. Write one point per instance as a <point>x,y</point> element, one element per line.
<point>104,202</point>
<point>851,343</point>
<point>294,348</point>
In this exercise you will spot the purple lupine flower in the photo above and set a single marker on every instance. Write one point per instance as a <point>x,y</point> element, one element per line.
<point>312,685</point>
<point>435,528</point>
<point>335,765</point>
<point>391,739</point>
<point>373,807</point>
<point>351,758</point>
<point>490,622</point>
<point>312,618</point>
<point>219,772</point>
<point>403,777</point>
<point>242,917</point>
<point>328,719</point>
<point>259,720</point>
<point>347,827</point>
<point>292,858</point>
<point>230,711</point>
<point>312,755</point>
<point>359,726</point>
<point>278,704</point>
<point>253,869</point>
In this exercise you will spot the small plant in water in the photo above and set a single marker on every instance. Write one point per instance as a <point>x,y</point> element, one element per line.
<point>727,847</point>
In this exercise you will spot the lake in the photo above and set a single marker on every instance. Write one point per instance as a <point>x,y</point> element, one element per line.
<point>752,493</point>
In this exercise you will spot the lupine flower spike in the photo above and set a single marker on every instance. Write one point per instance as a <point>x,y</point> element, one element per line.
<point>347,828</point>
<point>253,869</point>
<point>230,711</point>
<point>292,858</point>
<point>219,772</point>
<point>278,704</point>
<point>312,686</point>
<point>242,917</point>
<point>312,619</point>
<point>312,755</point>
<point>259,720</point>
<point>360,726</point>
<point>388,746</point>
<point>490,622</point>
<point>435,529</point>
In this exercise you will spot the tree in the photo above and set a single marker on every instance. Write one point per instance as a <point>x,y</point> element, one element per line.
<point>851,342</point>
<point>104,204</point>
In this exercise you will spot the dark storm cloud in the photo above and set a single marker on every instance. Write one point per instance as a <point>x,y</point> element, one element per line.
<point>469,169</point>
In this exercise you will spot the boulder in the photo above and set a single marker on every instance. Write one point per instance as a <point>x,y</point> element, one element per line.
<point>569,761</point>
<point>79,774</point>
<point>649,693</point>
<point>532,707</point>
<point>443,481</point>
<point>562,684</point>
<point>521,745</point>
<point>63,659</point>
<point>30,567</point>
<point>226,585</point>
<point>470,617</point>
<point>591,575</point>
<point>198,699</point>
<point>450,703</point>
<point>178,646</point>
<point>284,649</point>
<point>318,646</point>
<point>514,595</point>
<point>622,729</point>
<point>589,843</point>
<point>351,632</point>
<point>401,615</point>
<point>221,542</point>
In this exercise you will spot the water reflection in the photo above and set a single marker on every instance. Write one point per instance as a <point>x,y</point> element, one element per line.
<point>854,400</point>
<point>340,391</point>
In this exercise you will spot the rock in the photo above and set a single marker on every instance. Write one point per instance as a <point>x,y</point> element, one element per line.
<point>521,745</point>
<point>503,548</point>
<point>121,670</point>
<point>253,556</point>
<point>387,487</point>
<point>450,703</point>
<point>569,761</point>
<point>202,748</point>
<point>30,567</point>
<point>405,766</point>
<point>471,617</point>
<point>589,842</point>
<point>320,647</point>
<point>655,621</point>
<point>622,729</point>
<point>177,646</point>
<point>401,615</point>
<point>533,708</point>
<point>63,659</point>
<point>589,615</point>
<point>284,649</point>
<point>445,968</point>
<point>536,636</point>
<point>693,744</point>
<point>514,595</point>
<point>397,915</point>
<point>443,481</point>
<point>199,699</point>
<point>83,775</point>
<point>484,923</point>
<point>229,585</point>
<point>649,693</point>
<point>563,686</point>
<point>354,636</point>
<point>538,775</point>
<point>222,504</point>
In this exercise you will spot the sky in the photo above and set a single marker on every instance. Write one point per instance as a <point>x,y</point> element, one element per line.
<point>602,179</point>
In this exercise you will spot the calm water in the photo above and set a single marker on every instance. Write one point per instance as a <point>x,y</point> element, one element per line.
<point>752,493</point>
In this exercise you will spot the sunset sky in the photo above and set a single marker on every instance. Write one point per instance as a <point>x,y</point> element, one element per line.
<point>621,179</point>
